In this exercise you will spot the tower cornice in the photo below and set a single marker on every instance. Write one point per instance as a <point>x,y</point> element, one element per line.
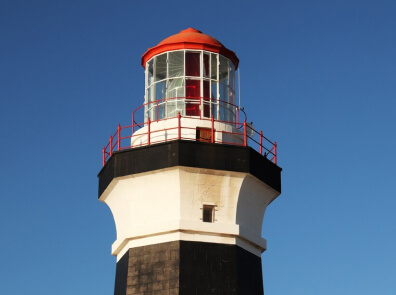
<point>190,154</point>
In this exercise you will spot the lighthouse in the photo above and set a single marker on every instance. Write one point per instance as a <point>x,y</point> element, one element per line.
<point>189,180</point>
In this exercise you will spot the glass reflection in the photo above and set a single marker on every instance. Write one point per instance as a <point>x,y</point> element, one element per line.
<point>192,83</point>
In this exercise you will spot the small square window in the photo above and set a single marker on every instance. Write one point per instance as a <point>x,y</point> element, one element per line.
<point>204,134</point>
<point>208,213</point>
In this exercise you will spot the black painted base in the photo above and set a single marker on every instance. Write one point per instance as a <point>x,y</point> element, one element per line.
<point>189,268</point>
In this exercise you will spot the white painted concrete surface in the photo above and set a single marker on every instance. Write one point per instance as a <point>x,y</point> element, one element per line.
<point>166,205</point>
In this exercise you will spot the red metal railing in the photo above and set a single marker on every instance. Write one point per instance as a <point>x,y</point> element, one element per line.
<point>118,141</point>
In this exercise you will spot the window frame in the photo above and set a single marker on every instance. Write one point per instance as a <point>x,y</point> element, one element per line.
<point>210,210</point>
<point>215,108</point>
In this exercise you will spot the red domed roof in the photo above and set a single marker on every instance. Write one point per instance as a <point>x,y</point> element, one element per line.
<point>190,39</point>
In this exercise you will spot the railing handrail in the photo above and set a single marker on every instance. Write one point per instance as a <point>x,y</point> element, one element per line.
<point>190,99</point>
<point>116,138</point>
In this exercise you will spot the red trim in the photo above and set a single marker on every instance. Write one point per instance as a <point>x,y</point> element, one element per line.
<point>111,145</point>
<point>118,137</point>
<point>244,133</point>
<point>103,156</point>
<point>190,39</point>
<point>213,130</point>
<point>117,142</point>
<point>148,131</point>
<point>178,126</point>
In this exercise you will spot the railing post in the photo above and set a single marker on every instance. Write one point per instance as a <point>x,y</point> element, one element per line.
<point>103,156</point>
<point>178,126</point>
<point>261,142</point>
<point>133,122</point>
<point>111,146</point>
<point>202,107</point>
<point>119,137</point>
<point>213,132</point>
<point>157,111</point>
<point>237,126</point>
<point>244,133</point>
<point>148,132</point>
<point>275,145</point>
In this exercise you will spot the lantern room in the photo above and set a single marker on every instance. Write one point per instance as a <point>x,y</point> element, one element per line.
<point>191,74</point>
<point>189,95</point>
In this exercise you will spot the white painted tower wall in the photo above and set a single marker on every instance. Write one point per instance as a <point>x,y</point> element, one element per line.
<point>166,205</point>
<point>223,132</point>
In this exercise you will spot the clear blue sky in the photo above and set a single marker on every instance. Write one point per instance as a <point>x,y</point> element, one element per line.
<point>319,77</point>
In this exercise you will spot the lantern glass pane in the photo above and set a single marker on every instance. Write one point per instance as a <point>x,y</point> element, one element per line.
<point>213,66</point>
<point>150,72</point>
<point>160,67</point>
<point>223,70</point>
<point>206,68</point>
<point>176,64</point>
<point>193,64</point>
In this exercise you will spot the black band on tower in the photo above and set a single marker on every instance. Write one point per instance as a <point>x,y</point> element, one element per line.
<point>185,268</point>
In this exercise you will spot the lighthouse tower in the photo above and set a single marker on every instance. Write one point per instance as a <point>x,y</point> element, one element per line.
<point>189,180</point>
